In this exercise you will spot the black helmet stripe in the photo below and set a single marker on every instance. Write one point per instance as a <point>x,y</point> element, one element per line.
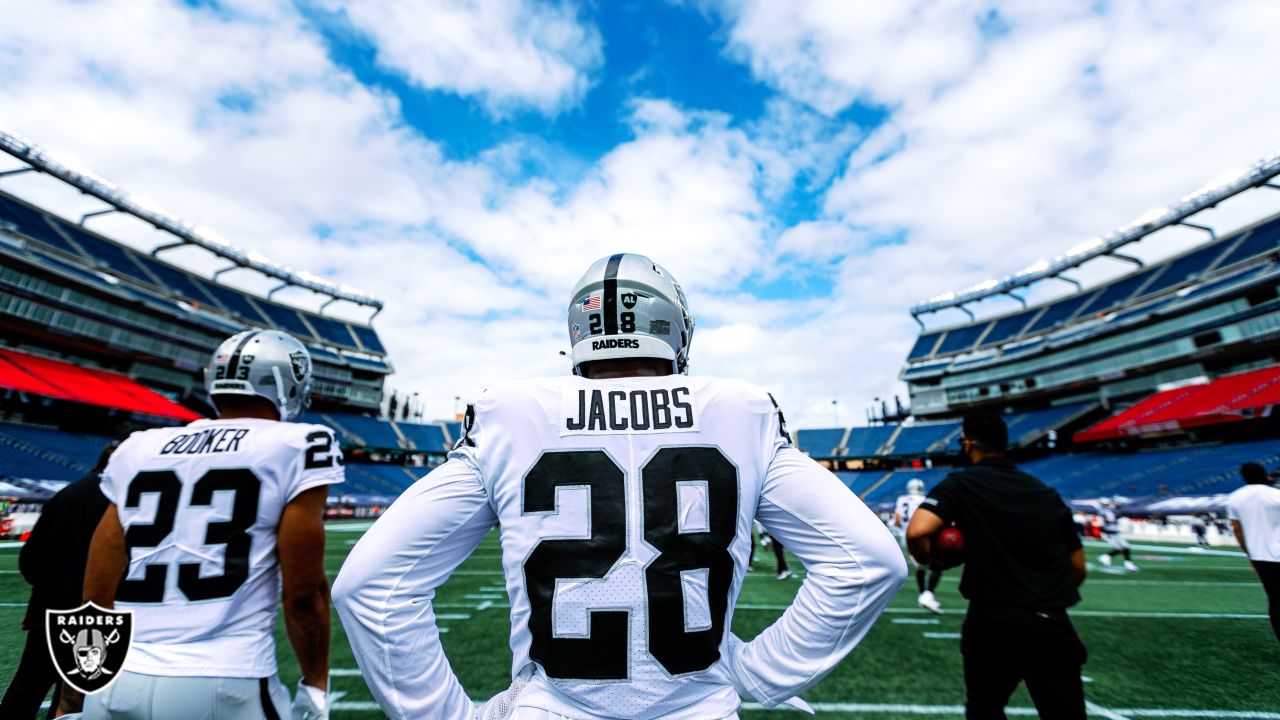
<point>234,362</point>
<point>611,294</point>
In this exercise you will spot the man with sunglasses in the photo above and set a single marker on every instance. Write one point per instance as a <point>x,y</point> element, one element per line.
<point>1023,566</point>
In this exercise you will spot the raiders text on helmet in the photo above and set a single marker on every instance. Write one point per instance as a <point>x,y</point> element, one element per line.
<point>267,363</point>
<point>627,306</point>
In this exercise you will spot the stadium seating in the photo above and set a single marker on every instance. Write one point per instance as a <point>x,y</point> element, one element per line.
<point>922,439</point>
<point>1030,426</point>
<point>32,224</point>
<point>859,480</point>
<point>895,484</point>
<point>1231,398</point>
<point>424,437</point>
<point>380,480</point>
<point>364,430</point>
<point>866,441</point>
<point>47,454</point>
<point>1174,471</point>
<point>820,443</point>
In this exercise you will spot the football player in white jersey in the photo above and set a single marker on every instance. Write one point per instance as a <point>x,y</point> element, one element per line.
<point>208,524</point>
<point>902,511</point>
<point>1111,534</point>
<point>624,495</point>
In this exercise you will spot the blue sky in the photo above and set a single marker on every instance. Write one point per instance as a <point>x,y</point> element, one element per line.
<point>807,169</point>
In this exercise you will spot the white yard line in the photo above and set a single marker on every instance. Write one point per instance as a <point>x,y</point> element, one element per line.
<point>941,635</point>
<point>1073,613</point>
<point>1096,709</point>
<point>958,710</point>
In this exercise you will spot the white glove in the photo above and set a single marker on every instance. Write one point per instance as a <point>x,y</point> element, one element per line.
<point>733,646</point>
<point>310,703</point>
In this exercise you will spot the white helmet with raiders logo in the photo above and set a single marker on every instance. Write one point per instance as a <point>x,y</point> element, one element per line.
<point>915,486</point>
<point>627,306</point>
<point>267,363</point>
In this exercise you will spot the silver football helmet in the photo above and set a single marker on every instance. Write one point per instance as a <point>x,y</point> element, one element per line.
<point>915,486</point>
<point>267,363</point>
<point>627,306</point>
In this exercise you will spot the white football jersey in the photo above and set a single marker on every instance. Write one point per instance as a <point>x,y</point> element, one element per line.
<point>906,507</point>
<point>625,508</point>
<point>200,506</point>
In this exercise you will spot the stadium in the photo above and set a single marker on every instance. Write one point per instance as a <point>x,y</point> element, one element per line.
<point>1152,387</point>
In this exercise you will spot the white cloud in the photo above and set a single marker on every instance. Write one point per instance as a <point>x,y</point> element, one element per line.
<point>510,54</point>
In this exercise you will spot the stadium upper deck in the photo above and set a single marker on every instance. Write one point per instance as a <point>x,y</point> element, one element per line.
<point>1200,314</point>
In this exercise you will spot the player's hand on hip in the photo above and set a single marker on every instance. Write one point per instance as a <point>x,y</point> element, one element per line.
<point>733,646</point>
<point>310,703</point>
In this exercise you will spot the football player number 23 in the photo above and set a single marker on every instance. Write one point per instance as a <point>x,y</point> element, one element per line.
<point>232,533</point>
<point>603,654</point>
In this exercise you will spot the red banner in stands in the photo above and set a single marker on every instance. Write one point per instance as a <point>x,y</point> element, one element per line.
<point>1231,398</point>
<point>64,381</point>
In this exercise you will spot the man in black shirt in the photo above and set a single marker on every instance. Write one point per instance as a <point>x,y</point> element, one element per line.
<point>1023,565</point>
<point>52,561</point>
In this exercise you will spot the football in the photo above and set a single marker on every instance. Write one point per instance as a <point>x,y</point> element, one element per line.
<point>948,547</point>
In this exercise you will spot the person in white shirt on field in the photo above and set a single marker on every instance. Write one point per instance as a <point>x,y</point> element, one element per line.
<point>624,495</point>
<point>903,509</point>
<point>1254,511</point>
<point>209,525</point>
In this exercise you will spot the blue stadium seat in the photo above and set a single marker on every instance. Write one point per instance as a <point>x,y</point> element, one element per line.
<point>865,441</point>
<point>924,346</point>
<point>961,338</point>
<point>1119,291</point>
<point>47,454</point>
<point>233,300</point>
<point>286,319</point>
<point>384,480</point>
<point>1175,471</point>
<point>455,431</point>
<point>1060,312</point>
<point>369,339</point>
<point>424,437</point>
<point>919,439</point>
<point>114,256</point>
<point>896,484</point>
<point>32,224</point>
<point>1262,239</point>
<point>175,280</point>
<point>364,430</point>
<point>859,480</point>
<point>1184,268</point>
<point>1027,426</point>
<point>331,330</point>
<point>1007,328</point>
<point>820,443</point>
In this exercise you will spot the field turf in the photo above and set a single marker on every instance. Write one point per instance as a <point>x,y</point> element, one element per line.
<point>1186,637</point>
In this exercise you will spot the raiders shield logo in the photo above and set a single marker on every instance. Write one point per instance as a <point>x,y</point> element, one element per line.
<point>88,645</point>
<point>299,363</point>
<point>629,300</point>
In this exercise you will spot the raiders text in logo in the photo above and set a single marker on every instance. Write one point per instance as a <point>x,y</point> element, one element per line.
<point>88,645</point>
<point>627,343</point>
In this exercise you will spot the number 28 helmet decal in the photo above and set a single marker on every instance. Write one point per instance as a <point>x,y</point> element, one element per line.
<point>627,306</point>
<point>267,363</point>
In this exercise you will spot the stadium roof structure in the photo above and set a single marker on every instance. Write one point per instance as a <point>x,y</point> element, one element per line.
<point>41,160</point>
<point>1260,174</point>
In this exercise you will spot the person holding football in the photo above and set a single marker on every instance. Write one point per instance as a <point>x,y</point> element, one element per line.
<point>624,495</point>
<point>1023,566</point>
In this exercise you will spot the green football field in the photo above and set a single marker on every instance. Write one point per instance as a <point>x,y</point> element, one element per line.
<point>1186,637</point>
